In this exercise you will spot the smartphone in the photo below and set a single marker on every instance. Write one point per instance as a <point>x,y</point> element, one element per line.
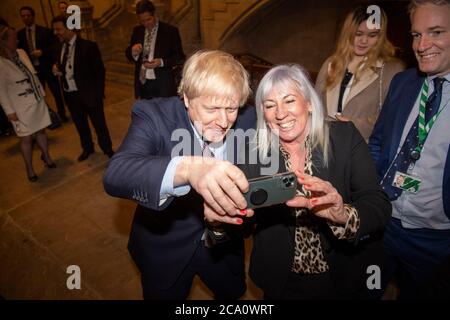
<point>269,190</point>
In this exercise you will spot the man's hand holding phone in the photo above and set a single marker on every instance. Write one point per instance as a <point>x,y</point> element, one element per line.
<point>220,183</point>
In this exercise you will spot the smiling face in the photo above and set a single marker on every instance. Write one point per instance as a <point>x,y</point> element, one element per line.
<point>287,114</point>
<point>212,116</point>
<point>430,28</point>
<point>365,39</point>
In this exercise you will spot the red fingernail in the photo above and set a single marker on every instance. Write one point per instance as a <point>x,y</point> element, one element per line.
<point>239,220</point>
<point>313,201</point>
<point>243,212</point>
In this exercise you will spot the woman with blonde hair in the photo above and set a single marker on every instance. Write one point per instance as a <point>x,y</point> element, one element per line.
<point>354,81</point>
<point>22,99</point>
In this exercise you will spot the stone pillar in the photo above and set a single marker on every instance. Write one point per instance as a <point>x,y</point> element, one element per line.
<point>87,21</point>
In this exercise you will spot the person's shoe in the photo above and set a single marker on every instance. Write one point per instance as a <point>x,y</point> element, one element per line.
<point>48,165</point>
<point>109,154</point>
<point>85,154</point>
<point>33,178</point>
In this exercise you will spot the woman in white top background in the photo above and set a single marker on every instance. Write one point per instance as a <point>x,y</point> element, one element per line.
<point>22,99</point>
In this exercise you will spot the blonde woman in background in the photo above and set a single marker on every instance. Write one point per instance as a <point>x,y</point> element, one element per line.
<point>22,99</point>
<point>354,81</point>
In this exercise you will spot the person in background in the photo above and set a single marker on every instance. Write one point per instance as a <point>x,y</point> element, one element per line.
<point>179,191</point>
<point>319,244</point>
<point>39,42</point>
<point>62,7</point>
<point>155,48</point>
<point>353,82</point>
<point>411,140</point>
<point>79,64</point>
<point>22,99</point>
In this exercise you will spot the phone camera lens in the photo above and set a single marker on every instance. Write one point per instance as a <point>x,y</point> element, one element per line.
<point>259,196</point>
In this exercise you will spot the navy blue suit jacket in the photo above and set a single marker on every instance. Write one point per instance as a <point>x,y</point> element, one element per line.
<point>163,238</point>
<point>385,139</point>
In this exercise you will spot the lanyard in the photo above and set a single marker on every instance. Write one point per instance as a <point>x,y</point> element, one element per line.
<point>424,128</point>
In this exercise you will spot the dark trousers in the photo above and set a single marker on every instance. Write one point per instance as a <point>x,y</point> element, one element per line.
<point>216,274</point>
<point>413,256</point>
<point>80,113</point>
<point>149,90</point>
<point>46,77</point>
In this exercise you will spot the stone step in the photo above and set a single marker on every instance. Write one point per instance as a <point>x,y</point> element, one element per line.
<point>118,77</point>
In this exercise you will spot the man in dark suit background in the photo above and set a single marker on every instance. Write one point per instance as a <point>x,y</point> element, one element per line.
<point>410,143</point>
<point>170,241</point>
<point>155,48</point>
<point>79,64</point>
<point>40,43</point>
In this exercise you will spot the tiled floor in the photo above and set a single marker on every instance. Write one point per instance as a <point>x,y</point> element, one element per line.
<point>67,219</point>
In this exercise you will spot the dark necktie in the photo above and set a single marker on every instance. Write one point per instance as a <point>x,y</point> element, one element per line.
<point>434,101</point>
<point>403,159</point>
<point>31,47</point>
<point>63,65</point>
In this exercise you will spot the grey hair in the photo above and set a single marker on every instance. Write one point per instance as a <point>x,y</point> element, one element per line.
<point>416,3</point>
<point>284,77</point>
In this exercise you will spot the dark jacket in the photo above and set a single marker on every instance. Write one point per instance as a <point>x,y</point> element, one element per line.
<point>386,135</point>
<point>45,40</point>
<point>89,71</point>
<point>167,47</point>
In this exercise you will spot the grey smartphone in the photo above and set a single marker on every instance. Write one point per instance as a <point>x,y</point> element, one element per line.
<point>269,190</point>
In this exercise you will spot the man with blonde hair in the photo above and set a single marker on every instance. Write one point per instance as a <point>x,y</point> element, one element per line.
<point>175,145</point>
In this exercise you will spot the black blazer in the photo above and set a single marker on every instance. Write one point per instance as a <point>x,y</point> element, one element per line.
<point>352,173</point>
<point>167,47</point>
<point>164,238</point>
<point>89,71</point>
<point>45,41</point>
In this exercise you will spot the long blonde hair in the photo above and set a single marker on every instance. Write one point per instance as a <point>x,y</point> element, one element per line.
<point>382,50</point>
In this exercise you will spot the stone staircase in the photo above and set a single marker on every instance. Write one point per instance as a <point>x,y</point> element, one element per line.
<point>119,69</point>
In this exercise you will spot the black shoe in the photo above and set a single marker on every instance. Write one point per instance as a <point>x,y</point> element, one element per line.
<point>109,154</point>
<point>85,154</point>
<point>33,178</point>
<point>48,165</point>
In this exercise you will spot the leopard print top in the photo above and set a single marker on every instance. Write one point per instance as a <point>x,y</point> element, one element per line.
<point>308,254</point>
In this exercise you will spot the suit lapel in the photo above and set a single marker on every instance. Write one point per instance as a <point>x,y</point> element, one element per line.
<point>77,55</point>
<point>367,77</point>
<point>405,106</point>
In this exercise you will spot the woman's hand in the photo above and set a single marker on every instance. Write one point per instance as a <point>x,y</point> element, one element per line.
<point>13,117</point>
<point>325,201</point>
